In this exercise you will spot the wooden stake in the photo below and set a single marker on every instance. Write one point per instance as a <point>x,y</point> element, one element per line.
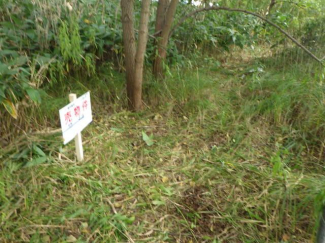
<point>77,139</point>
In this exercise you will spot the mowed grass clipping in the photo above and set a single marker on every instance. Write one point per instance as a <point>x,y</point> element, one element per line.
<point>220,157</point>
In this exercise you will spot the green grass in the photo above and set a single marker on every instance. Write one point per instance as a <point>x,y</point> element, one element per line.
<point>232,154</point>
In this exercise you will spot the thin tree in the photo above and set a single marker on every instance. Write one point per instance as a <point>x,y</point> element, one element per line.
<point>163,39</point>
<point>134,53</point>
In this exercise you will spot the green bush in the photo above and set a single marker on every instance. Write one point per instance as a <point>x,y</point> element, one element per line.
<point>42,42</point>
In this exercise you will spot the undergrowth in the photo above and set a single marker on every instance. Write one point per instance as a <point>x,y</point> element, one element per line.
<point>222,153</point>
<point>228,150</point>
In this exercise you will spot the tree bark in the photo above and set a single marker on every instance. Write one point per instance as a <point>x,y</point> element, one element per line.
<point>127,7</point>
<point>161,14</point>
<point>139,57</point>
<point>134,57</point>
<point>160,22</point>
<point>163,41</point>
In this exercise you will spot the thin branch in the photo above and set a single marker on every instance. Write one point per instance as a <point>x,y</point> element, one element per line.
<point>182,20</point>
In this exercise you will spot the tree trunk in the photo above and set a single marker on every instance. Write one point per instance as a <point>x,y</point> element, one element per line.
<point>163,41</point>
<point>161,14</point>
<point>160,22</point>
<point>134,58</point>
<point>139,57</point>
<point>127,7</point>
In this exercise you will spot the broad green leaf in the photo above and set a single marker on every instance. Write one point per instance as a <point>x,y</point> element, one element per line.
<point>2,93</point>
<point>34,95</point>
<point>12,72</point>
<point>10,107</point>
<point>24,70</point>
<point>43,59</point>
<point>3,68</point>
<point>169,191</point>
<point>147,139</point>
<point>21,155</point>
<point>158,202</point>
<point>37,150</point>
<point>31,33</point>
<point>9,52</point>
<point>18,21</point>
<point>36,161</point>
<point>124,219</point>
<point>19,61</point>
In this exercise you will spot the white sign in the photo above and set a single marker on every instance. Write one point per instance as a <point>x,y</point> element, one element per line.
<point>75,117</point>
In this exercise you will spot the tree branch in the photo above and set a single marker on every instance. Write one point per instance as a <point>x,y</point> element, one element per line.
<point>182,20</point>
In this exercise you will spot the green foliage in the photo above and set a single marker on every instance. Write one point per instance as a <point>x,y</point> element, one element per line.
<point>69,41</point>
<point>39,47</point>
<point>148,140</point>
<point>313,33</point>
<point>230,145</point>
<point>14,80</point>
<point>49,42</point>
<point>218,29</point>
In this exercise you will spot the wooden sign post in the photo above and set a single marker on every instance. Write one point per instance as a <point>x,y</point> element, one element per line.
<point>77,139</point>
<point>74,117</point>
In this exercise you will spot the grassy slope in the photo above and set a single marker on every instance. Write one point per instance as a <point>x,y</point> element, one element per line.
<point>230,162</point>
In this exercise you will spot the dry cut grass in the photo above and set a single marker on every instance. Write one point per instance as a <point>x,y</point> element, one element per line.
<point>194,169</point>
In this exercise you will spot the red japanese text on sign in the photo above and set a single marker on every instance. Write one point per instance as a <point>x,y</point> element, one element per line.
<point>68,117</point>
<point>77,111</point>
<point>84,105</point>
<point>75,116</point>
